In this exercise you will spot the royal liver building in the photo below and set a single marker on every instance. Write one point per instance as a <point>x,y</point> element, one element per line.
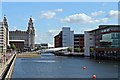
<point>27,36</point>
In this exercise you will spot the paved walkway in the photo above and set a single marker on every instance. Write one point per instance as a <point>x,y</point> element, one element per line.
<point>4,65</point>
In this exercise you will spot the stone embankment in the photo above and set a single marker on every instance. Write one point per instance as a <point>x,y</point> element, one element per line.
<point>28,55</point>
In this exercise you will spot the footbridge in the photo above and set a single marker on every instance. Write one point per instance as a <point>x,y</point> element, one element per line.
<point>52,50</point>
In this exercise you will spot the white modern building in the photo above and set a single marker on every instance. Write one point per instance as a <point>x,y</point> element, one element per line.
<point>88,42</point>
<point>65,38</point>
<point>68,37</point>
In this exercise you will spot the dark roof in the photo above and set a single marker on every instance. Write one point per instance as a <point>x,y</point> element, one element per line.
<point>80,35</point>
<point>104,26</point>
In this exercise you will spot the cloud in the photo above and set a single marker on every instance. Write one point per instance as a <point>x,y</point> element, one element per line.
<point>113,14</point>
<point>1,19</point>
<point>15,28</point>
<point>103,20</point>
<point>53,32</point>
<point>97,13</point>
<point>50,14</point>
<point>41,38</point>
<point>58,10</point>
<point>46,37</point>
<point>76,18</point>
<point>82,18</point>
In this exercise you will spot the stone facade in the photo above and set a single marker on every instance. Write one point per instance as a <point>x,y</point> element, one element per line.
<point>28,36</point>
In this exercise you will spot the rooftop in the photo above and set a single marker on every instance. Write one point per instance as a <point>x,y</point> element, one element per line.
<point>17,40</point>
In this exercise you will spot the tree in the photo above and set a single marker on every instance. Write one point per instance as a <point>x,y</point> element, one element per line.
<point>77,49</point>
<point>82,50</point>
<point>69,49</point>
<point>91,49</point>
<point>13,46</point>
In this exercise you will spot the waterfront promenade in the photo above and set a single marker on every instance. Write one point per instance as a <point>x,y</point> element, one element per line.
<point>7,65</point>
<point>28,55</point>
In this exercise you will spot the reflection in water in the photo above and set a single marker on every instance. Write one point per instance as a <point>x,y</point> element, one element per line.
<point>50,66</point>
<point>46,61</point>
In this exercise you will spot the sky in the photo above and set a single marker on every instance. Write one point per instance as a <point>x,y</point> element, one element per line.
<point>50,17</point>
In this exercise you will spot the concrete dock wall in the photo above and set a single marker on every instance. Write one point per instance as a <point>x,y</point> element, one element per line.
<point>8,68</point>
<point>9,73</point>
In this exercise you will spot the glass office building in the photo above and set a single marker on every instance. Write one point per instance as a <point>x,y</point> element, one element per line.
<point>111,40</point>
<point>107,41</point>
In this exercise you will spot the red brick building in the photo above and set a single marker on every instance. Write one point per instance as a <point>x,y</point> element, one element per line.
<point>78,40</point>
<point>58,40</point>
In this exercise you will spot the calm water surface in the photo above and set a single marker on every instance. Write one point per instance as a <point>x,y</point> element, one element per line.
<point>50,66</point>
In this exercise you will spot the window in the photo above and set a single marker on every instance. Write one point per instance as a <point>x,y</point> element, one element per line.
<point>90,38</point>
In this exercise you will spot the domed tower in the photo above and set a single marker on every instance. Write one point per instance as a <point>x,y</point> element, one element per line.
<point>5,21</point>
<point>31,34</point>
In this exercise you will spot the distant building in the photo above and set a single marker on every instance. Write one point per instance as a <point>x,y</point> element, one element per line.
<point>65,38</point>
<point>44,45</point>
<point>105,40</point>
<point>28,36</point>
<point>58,40</point>
<point>38,46</point>
<point>79,41</point>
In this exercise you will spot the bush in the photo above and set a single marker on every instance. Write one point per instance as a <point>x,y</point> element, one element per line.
<point>82,50</point>
<point>13,47</point>
<point>91,49</point>
<point>77,50</point>
<point>69,49</point>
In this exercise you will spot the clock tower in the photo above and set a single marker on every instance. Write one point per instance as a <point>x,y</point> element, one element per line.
<point>31,34</point>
